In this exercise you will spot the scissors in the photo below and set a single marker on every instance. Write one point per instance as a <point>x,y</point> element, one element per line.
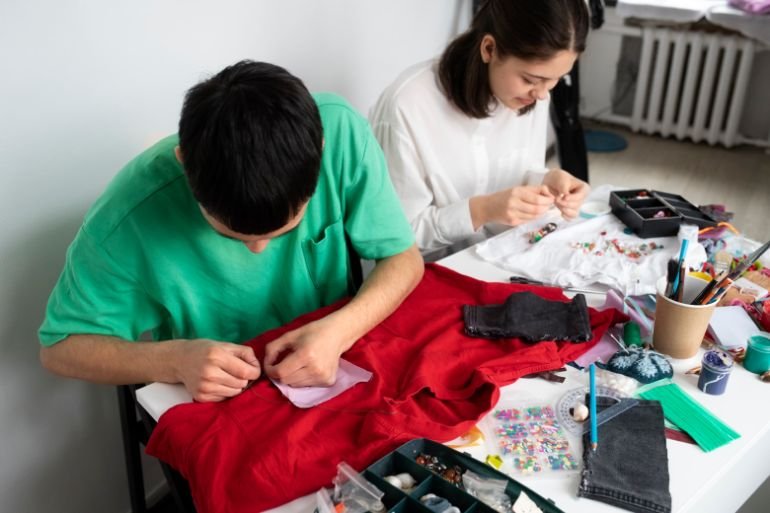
<point>529,281</point>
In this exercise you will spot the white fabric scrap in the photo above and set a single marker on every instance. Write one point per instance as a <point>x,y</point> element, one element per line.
<point>556,260</point>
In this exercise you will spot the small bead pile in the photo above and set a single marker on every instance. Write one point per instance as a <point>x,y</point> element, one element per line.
<point>527,464</point>
<point>452,473</point>
<point>631,250</point>
<point>563,461</point>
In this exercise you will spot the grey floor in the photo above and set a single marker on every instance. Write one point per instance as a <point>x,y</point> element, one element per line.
<point>738,178</point>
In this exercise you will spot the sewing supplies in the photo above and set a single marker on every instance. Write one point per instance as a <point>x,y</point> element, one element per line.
<point>592,406</point>
<point>530,439</point>
<point>656,213</point>
<point>474,485</point>
<point>632,334</point>
<point>578,290</point>
<point>537,236</point>
<point>708,431</point>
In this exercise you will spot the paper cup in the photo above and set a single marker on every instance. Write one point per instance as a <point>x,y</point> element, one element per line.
<point>679,327</point>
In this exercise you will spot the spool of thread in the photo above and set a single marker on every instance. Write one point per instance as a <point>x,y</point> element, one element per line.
<point>632,335</point>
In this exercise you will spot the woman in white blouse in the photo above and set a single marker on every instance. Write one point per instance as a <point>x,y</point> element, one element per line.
<point>465,136</point>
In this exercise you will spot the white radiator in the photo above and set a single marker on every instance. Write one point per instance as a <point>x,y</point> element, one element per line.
<point>692,85</point>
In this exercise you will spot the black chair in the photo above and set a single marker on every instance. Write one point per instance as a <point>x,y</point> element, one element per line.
<point>137,425</point>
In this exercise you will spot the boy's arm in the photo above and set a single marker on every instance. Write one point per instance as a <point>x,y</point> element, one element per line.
<point>210,370</point>
<point>309,356</point>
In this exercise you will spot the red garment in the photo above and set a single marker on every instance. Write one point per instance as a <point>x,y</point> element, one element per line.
<point>258,451</point>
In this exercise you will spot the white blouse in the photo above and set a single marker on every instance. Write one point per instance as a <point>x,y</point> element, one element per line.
<point>439,157</point>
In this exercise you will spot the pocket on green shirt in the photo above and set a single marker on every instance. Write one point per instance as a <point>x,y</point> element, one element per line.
<point>326,260</point>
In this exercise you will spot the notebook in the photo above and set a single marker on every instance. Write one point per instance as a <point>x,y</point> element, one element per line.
<point>731,326</point>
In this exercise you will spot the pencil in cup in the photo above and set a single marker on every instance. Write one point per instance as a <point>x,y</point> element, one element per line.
<point>706,292</point>
<point>680,289</point>
<point>721,289</point>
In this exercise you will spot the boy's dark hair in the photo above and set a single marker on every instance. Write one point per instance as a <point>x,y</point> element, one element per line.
<point>251,142</point>
<point>527,29</point>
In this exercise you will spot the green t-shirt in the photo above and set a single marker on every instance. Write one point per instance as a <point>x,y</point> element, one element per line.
<point>146,259</point>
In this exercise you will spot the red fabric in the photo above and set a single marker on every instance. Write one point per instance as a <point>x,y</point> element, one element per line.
<point>257,451</point>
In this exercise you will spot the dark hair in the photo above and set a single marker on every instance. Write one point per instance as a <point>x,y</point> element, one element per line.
<point>527,29</point>
<point>251,142</point>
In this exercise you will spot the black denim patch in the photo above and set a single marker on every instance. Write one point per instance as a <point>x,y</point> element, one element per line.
<point>531,318</point>
<point>629,468</point>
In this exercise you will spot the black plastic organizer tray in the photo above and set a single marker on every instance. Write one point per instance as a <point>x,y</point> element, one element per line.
<point>403,460</point>
<point>655,213</point>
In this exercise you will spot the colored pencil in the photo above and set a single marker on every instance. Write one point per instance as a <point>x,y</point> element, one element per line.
<point>592,406</point>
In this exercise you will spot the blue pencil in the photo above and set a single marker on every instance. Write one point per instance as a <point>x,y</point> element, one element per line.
<point>592,407</point>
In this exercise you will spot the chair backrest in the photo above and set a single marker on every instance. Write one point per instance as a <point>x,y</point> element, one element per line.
<point>137,425</point>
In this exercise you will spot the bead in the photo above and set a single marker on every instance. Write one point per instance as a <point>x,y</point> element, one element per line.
<point>579,412</point>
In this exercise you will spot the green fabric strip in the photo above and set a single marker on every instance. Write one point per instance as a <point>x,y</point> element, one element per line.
<point>686,413</point>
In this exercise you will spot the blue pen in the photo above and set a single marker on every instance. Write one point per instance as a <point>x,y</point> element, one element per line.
<point>682,253</point>
<point>592,406</point>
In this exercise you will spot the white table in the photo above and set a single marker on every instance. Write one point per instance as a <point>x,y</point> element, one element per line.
<point>716,482</point>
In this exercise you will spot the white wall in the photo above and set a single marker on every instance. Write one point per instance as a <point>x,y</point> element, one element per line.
<point>84,86</point>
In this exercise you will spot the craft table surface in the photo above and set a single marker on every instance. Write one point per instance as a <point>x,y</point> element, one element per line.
<point>716,482</point>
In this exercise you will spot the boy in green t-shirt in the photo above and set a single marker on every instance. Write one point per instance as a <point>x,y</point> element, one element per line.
<point>236,226</point>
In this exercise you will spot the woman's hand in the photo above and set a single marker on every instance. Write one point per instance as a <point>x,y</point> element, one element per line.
<point>512,206</point>
<point>568,192</point>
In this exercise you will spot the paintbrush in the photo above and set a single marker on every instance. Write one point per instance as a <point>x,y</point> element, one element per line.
<point>707,290</point>
<point>672,270</point>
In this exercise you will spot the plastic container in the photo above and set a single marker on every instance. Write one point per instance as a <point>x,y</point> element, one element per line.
<point>716,366</point>
<point>655,213</point>
<point>404,458</point>
<point>758,353</point>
